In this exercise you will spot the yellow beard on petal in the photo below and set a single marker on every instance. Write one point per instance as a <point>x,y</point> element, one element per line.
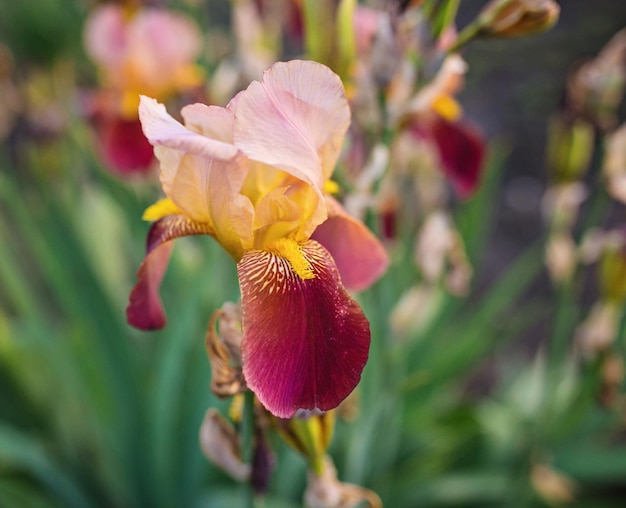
<point>290,250</point>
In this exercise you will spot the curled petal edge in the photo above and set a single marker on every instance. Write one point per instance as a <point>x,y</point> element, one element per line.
<point>145,309</point>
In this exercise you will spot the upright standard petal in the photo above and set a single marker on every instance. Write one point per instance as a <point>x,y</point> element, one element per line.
<point>295,119</point>
<point>145,310</point>
<point>360,258</point>
<point>305,339</point>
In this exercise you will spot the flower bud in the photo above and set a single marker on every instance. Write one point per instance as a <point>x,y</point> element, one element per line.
<point>514,18</point>
<point>570,147</point>
<point>596,88</point>
<point>599,330</point>
<point>560,257</point>
<point>614,165</point>
<point>308,433</point>
<point>613,269</point>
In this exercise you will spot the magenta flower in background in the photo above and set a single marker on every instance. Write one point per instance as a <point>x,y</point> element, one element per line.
<point>437,117</point>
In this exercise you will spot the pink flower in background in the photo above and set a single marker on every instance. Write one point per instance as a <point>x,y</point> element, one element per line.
<point>253,175</point>
<point>144,51</point>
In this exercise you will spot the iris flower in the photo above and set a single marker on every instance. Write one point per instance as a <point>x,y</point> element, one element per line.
<point>137,50</point>
<point>253,175</point>
<point>437,117</point>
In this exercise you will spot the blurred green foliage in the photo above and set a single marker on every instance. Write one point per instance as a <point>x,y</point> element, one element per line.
<point>95,414</point>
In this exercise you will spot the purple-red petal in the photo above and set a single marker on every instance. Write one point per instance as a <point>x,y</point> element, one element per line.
<point>462,150</point>
<point>305,342</point>
<point>123,145</point>
<point>145,310</point>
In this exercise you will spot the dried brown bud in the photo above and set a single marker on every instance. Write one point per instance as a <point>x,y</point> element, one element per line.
<point>224,351</point>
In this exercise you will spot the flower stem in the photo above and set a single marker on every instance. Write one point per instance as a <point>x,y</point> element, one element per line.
<point>466,35</point>
<point>247,441</point>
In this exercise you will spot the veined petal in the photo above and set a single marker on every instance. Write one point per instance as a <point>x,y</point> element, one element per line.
<point>359,256</point>
<point>145,310</point>
<point>295,119</point>
<point>305,340</point>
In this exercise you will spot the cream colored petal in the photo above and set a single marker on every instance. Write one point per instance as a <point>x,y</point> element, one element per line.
<point>202,176</point>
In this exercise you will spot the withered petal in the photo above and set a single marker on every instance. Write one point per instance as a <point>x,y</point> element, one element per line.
<point>305,341</point>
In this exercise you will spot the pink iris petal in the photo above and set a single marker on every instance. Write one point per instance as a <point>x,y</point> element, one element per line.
<point>106,39</point>
<point>305,342</point>
<point>461,149</point>
<point>295,119</point>
<point>170,39</point>
<point>162,130</point>
<point>359,256</point>
<point>145,310</point>
<point>156,42</point>
<point>124,146</point>
<point>210,121</point>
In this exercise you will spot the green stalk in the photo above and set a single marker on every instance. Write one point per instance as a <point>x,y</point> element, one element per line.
<point>247,441</point>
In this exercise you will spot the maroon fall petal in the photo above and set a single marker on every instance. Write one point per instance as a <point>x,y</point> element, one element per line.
<point>145,310</point>
<point>461,149</point>
<point>305,342</point>
<point>124,146</point>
